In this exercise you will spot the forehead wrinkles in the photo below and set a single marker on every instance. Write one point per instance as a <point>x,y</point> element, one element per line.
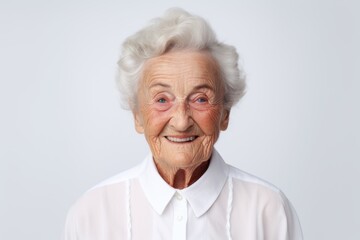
<point>182,70</point>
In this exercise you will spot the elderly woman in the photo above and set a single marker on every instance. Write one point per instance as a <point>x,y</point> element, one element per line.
<point>180,83</point>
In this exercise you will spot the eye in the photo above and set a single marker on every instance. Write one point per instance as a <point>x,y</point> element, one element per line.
<point>201,100</point>
<point>161,100</point>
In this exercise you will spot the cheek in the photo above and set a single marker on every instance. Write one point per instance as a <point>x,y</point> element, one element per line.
<point>154,121</point>
<point>209,121</point>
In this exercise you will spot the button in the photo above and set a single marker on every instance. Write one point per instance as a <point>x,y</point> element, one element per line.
<point>178,196</point>
<point>179,218</point>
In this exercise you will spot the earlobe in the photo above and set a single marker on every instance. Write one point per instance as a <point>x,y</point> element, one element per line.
<point>225,120</point>
<point>138,123</point>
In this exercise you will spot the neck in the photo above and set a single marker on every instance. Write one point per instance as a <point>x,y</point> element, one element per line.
<point>180,178</point>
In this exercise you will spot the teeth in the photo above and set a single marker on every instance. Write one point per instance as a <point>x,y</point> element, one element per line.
<point>174,139</point>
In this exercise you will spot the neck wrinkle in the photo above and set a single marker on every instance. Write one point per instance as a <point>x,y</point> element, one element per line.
<point>183,178</point>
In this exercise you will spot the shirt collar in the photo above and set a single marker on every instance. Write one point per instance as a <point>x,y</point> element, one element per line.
<point>201,195</point>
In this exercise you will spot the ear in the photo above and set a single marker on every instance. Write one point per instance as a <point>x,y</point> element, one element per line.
<point>225,120</point>
<point>139,125</point>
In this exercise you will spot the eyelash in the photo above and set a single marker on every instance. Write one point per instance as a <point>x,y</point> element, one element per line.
<point>162,103</point>
<point>201,100</point>
<point>197,101</point>
<point>161,100</point>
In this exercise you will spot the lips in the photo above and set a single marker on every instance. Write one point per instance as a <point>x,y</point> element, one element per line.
<point>181,139</point>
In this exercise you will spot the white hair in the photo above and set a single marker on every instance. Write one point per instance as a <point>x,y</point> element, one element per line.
<point>177,30</point>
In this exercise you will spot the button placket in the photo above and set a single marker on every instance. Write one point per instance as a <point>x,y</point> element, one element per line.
<point>180,217</point>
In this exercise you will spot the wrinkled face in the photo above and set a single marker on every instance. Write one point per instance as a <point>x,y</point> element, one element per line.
<point>180,108</point>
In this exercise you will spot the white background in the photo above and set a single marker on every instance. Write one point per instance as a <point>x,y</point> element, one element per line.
<point>62,129</point>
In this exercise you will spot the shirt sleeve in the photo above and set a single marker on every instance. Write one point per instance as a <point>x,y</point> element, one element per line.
<point>70,229</point>
<point>293,228</point>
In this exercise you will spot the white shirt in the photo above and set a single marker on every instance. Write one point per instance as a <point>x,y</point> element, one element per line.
<point>225,203</point>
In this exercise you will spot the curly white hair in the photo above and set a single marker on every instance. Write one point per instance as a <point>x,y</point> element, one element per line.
<point>176,30</point>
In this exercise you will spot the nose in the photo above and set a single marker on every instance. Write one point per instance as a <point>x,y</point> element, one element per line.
<point>181,120</point>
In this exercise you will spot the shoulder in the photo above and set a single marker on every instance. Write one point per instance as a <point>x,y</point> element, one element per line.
<point>246,178</point>
<point>121,177</point>
<point>102,206</point>
<point>255,188</point>
<point>257,197</point>
<point>107,188</point>
<point>102,193</point>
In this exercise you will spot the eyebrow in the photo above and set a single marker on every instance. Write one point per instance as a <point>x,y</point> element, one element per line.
<point>207,86</point>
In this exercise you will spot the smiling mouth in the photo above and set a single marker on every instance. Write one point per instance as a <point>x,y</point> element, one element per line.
<point>181,139</point>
